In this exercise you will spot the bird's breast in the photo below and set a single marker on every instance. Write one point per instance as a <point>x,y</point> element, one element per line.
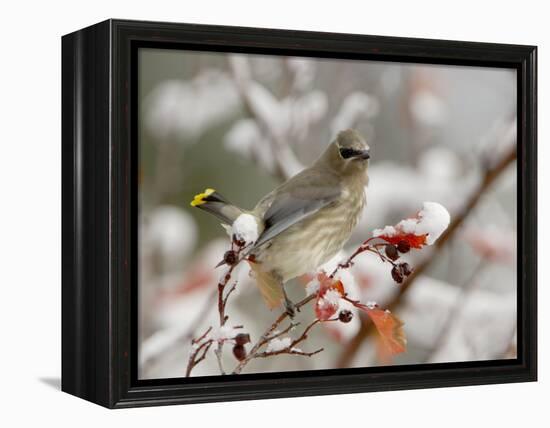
<point>315,240</point>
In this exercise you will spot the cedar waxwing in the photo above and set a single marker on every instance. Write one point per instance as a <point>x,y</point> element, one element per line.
<point>305,221</point>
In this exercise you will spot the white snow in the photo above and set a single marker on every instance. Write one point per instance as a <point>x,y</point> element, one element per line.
<point>277,344</point>
<point>348,281</point>
<point>332,297</point>
<point>223,333</point>
<point>432,220</point>
<point>408,225</point>
<point>386,231</point>
<point>313,286</point>
<point>245,228</point>
<point>371,304</point>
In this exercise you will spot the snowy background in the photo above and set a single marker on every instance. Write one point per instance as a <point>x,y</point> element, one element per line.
<point>242,124</point>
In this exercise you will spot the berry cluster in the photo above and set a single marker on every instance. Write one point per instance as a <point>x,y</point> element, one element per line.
<point>239,351</point>
<point>393,252</point>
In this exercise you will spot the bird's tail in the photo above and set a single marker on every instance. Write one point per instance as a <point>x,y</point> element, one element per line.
<point>214,203</point>
<point>270,287</point>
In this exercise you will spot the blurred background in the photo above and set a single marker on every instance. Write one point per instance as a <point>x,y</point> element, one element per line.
<point>242,124</point>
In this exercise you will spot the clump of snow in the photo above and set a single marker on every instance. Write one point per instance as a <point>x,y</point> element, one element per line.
<point>245,228</point>
<point>224,332</point>
<point>276,344</point>
<point>332,297</point>
<point>432,221</point>
<point>386,231</point>
<point>408,225</point>
<point>371,304</point>
<point>313,286</point>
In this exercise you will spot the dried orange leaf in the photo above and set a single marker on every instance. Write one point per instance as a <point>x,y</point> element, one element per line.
<point>390,329</point>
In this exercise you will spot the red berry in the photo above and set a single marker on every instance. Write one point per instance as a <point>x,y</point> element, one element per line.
<point>391,252</point>
<point>239,352</point>
<point>403,246</point>
<point>345,316</point>
<point>397,275</point>
<point>242,338</point>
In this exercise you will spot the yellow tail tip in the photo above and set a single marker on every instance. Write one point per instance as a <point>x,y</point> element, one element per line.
<point>199,198</point>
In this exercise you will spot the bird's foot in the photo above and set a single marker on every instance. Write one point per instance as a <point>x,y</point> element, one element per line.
<point>290,308</point>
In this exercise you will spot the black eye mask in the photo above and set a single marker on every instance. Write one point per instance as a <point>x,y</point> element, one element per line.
<point>347,152</point>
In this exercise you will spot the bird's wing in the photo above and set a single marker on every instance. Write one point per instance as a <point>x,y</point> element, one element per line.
<point>297,199</point>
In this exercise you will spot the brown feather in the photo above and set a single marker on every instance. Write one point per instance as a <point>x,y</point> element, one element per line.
<point>269,285</point>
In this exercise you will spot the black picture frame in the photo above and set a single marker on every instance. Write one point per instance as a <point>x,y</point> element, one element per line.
<point>99,203</point>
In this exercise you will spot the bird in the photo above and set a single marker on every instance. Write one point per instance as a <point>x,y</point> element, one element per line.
<point>305,221</point>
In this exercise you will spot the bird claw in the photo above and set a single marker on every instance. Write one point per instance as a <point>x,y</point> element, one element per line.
<point>290,308</point>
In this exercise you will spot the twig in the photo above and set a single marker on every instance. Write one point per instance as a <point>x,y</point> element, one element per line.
<point>268,334</point>
<point>196,348</point>
<point>222,303</point>
<point>365,246</point>
<point>290,349</point>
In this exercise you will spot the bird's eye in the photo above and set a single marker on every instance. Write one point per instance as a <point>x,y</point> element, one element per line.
<point>347,153</point>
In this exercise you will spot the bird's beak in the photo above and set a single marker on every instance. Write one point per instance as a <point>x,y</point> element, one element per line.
<point>363,154</point>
